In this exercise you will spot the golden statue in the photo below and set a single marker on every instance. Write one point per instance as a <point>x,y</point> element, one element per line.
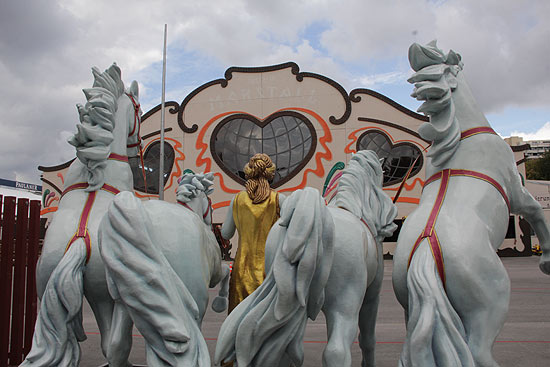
<point>252,213</point>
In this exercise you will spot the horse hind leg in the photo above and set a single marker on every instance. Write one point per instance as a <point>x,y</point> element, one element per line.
<point>342,329</point>
<point>367,322</point>
<point>484,311</point>
<point>342,317</point>
<point>115,329</point>
<point>481,339</point>
<point>103,311</point>
<point>220,303</point>
<point>120,337</point>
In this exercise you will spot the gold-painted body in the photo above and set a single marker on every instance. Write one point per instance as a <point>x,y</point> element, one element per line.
<point>253,222</point>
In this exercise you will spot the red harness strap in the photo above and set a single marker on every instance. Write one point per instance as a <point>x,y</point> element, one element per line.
<point>185,205</point>
<point>105,187</point>
<point>476,130</point>
<point>472,174</point>
<point>84,185</point>
<point>82,231</point>
<point>118,157</point>
<point>366,225</point>
<point>137,123</point>
<point>429,230</point>
<point>205,212</point>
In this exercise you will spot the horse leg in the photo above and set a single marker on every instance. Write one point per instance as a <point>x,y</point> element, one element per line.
<point>220,303</point>
<point>342,329</point>
<point>367,319</point>
<point>483,324</point>
<point>103,311</point>
<point>341,308</point>
<point>524,204</point>
<point>484,307</point>
<point>481,339</point>
<point>121,337</point>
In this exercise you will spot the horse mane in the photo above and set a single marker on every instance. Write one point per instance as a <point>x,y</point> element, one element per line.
<point>97,120</point>
<point>360,192</point>
<point>191,184</point>
<point>438,70</point>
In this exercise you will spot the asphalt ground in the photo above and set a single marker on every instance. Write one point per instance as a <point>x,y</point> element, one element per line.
<point>523,341</point>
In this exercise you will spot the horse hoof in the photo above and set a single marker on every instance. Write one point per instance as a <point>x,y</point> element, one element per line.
<point>219,304</point>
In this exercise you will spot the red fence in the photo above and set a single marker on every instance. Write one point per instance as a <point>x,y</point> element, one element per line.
<point>19,231</point>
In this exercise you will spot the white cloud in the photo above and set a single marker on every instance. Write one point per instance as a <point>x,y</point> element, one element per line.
<point>376,80</point>
<point>541,134</point>
<point>47,49</point>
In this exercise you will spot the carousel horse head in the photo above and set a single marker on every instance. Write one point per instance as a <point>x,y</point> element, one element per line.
<point>360,192</point>
<point>436,79</point>
<point>193,191</point>
<point>109,123</point>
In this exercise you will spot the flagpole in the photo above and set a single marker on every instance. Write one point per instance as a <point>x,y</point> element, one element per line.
<point>162,115</point>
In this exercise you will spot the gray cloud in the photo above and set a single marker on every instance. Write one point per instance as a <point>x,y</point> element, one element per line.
<point>48,47</point>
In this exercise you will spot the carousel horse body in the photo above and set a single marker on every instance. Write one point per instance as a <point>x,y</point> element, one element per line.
<point>447,275</point>
<point>70,266</point>
<point>318,257</point>
<point>161,258</point>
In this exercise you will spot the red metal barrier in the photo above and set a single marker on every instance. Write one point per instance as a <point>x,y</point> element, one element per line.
<point>18,255</point>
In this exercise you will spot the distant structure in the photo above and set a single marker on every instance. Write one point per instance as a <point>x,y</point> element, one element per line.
<point>34,188</point>
<point>537,147</point>
<point>20,189</point>
<point>307,123</point>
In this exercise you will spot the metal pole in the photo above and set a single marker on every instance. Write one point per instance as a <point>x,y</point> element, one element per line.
<point>161,158</point>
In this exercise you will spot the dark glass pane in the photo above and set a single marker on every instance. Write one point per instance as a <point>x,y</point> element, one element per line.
<point>151,167</point>
<point>398,158</point>
<point>286,139</point>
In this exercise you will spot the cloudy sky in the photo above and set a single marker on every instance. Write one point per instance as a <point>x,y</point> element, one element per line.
<point>47,48</point>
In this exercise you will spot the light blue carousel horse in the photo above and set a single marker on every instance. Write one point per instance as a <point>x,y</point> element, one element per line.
<point>318,257</point>
<point>447,275</point>
<point>70,266</point>
<point>161,258</point>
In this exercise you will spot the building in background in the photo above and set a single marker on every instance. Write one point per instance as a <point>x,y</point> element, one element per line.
<point>537,148</point>
<point>309,125</point>
<point>20,189</point>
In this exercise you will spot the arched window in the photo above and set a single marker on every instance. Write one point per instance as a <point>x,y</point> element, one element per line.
<point>151,163</point>
<point>287,137</point>
<point>398,157</point>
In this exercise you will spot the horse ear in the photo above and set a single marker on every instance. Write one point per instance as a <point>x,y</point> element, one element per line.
<point>134,89</point>
<point>453,58</point>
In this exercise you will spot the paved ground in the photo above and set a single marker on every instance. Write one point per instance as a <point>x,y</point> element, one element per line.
<point>524,340</point>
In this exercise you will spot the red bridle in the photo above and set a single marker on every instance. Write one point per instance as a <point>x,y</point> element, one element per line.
<point>137,124</point>
<point>205,214</point>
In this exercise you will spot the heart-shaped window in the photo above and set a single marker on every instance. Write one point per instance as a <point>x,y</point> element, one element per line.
<point>398,157</point>
<point>287,137</point>
<point>151,163</point>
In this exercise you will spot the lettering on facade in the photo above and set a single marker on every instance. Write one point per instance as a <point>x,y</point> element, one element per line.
<point>26,186</point>
<point>224,101</point>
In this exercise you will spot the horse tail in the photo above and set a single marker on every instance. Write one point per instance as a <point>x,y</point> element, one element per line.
<point>435,333</point>
<point>140,276</point>
<point>270,323</point>
<point>58,327</point>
